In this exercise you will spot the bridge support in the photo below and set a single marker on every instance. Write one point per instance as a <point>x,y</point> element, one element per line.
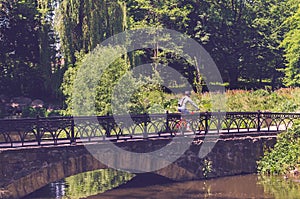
<point>23,171</point>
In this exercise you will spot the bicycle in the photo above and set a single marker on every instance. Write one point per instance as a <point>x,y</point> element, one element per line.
<point>184,125</point>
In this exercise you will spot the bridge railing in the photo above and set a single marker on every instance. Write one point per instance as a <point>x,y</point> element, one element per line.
<point>66,130</point>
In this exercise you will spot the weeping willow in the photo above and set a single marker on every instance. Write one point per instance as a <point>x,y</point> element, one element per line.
<point>47,48</point>
<point>82,24</point>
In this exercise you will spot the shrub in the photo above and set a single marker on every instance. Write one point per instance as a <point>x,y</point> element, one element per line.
<point>285,155</point>
<point>30,112</point>
<point>54,113</point>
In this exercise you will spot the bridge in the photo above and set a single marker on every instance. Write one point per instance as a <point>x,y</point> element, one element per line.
<point>35,152</point>
<point>63,130</point>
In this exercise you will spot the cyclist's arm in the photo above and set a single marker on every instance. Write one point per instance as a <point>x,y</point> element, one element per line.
<point>193,103</point>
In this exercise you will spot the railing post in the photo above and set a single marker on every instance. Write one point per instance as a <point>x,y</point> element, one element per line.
<point>145,135</point>
<point>38,129</point>
<point>206,122</point>
<point>73,140</point>
<point>219,123</point>
<point>167,122</point>
<point>108,127</point>
<point>258,120</point>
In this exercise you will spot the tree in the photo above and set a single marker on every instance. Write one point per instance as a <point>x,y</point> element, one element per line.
<point>158,14</point>
<point>28,54</point>
<point>243,38</point>
<point>20,49</point>
<point>88,86</point>
<point>291,45</point>
<point>226,31</point>
<point>49,63</point>
<point>82,25</point>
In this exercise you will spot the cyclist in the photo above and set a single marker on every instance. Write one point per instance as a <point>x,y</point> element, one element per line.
<point>183,102</point>
<point>182,107</point>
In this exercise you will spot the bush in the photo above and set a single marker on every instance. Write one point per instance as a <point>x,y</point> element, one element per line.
<point>54,113</point>
<point>285,155</point>
<point>30,112</point>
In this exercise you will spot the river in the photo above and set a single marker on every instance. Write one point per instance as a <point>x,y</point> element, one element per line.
<point>111,184</point>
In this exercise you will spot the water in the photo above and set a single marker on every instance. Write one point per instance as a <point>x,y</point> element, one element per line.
<point>112,184</point>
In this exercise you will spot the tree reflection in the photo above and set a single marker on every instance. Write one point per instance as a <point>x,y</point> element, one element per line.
<point>94,182</point>
<point>281,188</point>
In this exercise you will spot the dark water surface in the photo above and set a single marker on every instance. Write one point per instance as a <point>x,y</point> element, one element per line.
<point>111,184</point>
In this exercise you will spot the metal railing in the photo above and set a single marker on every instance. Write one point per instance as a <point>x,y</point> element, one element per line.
<point>68,130</point>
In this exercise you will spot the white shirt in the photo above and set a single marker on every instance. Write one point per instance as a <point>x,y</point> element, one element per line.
<point>184,100</point>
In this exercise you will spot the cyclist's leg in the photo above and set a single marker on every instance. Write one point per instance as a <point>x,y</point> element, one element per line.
<point>186,122</point>
<point>185,111</point>
<point>183,120</point>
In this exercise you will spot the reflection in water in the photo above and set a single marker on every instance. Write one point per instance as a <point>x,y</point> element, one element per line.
<point>51,191</point>
<point>235,187</point>
<point>281,188</point>
<point>58,188</point>
<point>100,184</point>
<point>82,185</point>
<point>94,182</point>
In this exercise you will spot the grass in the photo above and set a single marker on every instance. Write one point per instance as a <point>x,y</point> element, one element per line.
<point>282,100</point>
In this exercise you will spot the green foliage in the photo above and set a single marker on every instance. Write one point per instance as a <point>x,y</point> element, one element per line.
<point>282,100</point>
<point>27,56</point>
<point>30,112</point>
<point>228,31</point>
<point>95,79</point>
<point>82,25</point>
<point>291,45</point>
<point>285,155</point>
<point>110,84</point>
<point>54,113</point>
<point>207,167</point>
<point>68,80</point>
<point>172,14</point>
<point>107,81</point>
<point>249,40</point>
